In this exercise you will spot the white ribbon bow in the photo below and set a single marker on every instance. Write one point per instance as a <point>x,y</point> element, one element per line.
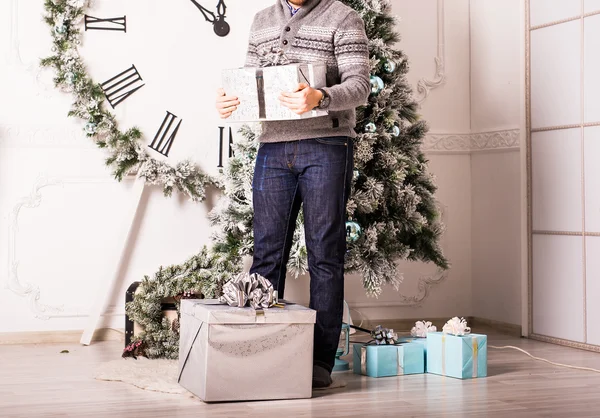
<point>421,329</point>
<point>456,326</point>
<point>248,290</point>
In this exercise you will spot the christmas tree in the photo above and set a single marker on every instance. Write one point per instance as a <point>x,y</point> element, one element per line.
<point>392,214</point>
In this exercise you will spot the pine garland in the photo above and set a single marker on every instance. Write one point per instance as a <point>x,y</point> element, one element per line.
<point>203,275</point>
<point>126,153</point>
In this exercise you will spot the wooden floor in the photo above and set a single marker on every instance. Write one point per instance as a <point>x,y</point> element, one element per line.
<point>38,381</point>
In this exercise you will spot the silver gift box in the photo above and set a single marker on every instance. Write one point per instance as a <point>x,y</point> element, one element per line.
<point>258,90</point>
<point>239,354</point>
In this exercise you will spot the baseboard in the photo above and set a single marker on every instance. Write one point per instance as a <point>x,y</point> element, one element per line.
<point>566,343</point>
<point>503,327</point>
<point>401,326</point>
<point>71,336</point>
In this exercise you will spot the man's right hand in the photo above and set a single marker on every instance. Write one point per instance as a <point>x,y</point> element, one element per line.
<point>226,105</point>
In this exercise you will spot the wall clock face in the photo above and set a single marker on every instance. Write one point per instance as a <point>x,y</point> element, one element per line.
<point>159,63</point>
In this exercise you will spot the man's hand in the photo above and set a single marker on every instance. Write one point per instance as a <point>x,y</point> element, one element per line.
<point>303,99</point>
<point>226,105</point>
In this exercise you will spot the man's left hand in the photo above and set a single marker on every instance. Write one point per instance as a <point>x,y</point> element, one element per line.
<point>303,99</point>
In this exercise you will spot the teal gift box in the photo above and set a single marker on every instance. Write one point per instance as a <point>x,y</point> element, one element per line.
<point>388,360</point>
<point>418,340</point>
<point>460,356</point>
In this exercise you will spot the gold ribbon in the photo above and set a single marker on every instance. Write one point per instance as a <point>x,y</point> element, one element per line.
<point>475,355</point>
<point>444,354</point>
<point>363,359</point>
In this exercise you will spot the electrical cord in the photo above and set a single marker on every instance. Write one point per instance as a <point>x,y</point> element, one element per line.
<point>568,366</point>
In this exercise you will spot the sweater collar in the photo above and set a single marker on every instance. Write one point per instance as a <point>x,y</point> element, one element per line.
<point>293,10</point>
<point>304,9</point>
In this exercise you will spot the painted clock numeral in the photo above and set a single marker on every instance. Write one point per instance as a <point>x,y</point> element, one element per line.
<point>111,23</point>
<point>121,86</point>
<point>163,140</point>
<point>221,134</point>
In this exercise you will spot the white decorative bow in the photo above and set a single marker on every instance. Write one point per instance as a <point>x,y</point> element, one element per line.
<point>272,57</point>
<point>421,329</point>
<point>456,326</point>
<point>248,290</point>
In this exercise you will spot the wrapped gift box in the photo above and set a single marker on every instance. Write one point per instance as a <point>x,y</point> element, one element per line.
<point>234,354</point>
<point>460,356</point>
<point>388,360</point>
<point>258,90</point>
<point>418,340</point>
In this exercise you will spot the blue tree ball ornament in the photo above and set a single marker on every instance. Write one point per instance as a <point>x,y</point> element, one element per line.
<point>353,231</point>
<point>90,128</point>
<point>389,66</point>
<point>395,131</point>
<point>70,78</point>
<point>370,127</point>
<point>376,84</point>
<point>60,29</point>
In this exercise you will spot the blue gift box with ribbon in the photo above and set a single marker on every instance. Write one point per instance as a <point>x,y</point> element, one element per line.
<point>459,356</point>
<point>418,340</point>
<point>388,360</point>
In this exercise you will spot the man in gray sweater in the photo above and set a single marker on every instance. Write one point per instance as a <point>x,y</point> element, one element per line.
<point>308,161</point>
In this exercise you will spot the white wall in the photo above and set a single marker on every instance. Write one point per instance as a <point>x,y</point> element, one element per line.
<point>495,173</point>
<point>63,239</point>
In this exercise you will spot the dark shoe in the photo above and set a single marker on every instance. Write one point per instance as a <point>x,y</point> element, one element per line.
<point>321,377</point>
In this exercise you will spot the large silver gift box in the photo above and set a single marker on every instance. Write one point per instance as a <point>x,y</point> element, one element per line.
<point>234,354</point>
<point>258,90</point>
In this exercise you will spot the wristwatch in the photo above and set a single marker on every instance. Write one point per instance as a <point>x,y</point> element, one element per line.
<point>325,100</point>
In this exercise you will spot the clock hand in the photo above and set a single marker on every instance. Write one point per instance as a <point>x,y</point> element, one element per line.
<point>221,8</point>
<point>220,26</point>
<point>205,12</point>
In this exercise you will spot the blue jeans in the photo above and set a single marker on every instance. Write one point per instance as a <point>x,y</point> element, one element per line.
<point>316,173</point>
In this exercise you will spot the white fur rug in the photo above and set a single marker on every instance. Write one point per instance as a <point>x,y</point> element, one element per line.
<point>156,375</point>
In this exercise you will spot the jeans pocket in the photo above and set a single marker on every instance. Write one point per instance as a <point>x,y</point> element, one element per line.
<point>333,140</point>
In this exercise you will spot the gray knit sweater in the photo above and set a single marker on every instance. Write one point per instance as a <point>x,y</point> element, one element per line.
<point>321,31</point>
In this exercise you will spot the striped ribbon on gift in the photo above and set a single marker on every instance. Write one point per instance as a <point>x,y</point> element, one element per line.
<point>400,368</point>
<point>475,355</point>
<point>363,360</point>
<point>443,354</point>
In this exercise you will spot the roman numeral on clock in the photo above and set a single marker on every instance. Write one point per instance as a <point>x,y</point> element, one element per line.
<point>166,134</point>
<point>221,132</point>
<point>111,23</point>
<point>122,86</point>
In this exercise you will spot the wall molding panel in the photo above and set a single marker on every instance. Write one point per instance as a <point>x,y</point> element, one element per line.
<point>44,136</point>
<point>424,85</point>
<point>425,285</point>
<point>501,140</point>
<point>27,290</point>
